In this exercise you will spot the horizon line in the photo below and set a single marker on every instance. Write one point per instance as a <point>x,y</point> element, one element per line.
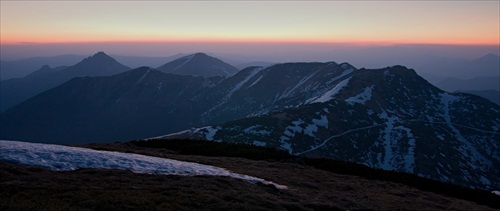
<point>353,43</point>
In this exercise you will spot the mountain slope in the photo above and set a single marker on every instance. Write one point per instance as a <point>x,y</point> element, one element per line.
<point>130,105</point>
<point>257,90</point>
<point>388,118</point>
<point>142,103</point>
<point>198,64</point>
<point>15,91</point>
<point>491,95</point>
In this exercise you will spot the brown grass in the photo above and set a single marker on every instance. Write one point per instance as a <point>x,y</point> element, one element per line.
<point>23,188</point>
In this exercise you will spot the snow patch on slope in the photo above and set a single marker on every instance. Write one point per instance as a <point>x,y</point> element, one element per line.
<point>409,158</point>
<point>211,131</point>
<point>187,58</point>
<point>388,141</point>
<point>289,91</point>
<point>300,126</point>
<point>63,158</point>
<point>256,81</point>
<point>347,70</point>
<point>143,76</point>
<point>467,149</point>
<point>255,130</point>
<point>312,128</point>
<point>241,83</point>
<point>361,97</point>
<point>327,96</point>
<point>259,143</point>
<point>323,121</point>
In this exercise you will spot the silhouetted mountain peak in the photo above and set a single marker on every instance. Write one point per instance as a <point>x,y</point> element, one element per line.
<point>99,57</point>
<point>100,53</point>
<point>45,67</point>
<point>200,54</point>
<point>490,55</point>
<point>488,58</point>
<point>199,64</point>
<point>100,64</point>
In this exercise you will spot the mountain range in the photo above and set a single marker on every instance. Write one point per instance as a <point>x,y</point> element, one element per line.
<point>145,102</point>
<point>16,90</point>
<point>481,75</point>
<point>387,118</point>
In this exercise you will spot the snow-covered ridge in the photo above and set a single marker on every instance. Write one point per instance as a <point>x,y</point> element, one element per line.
<point>63,158</point>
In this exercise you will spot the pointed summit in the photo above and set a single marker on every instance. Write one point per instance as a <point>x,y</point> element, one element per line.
<point>99,57</point>
<point>100,53</point>
<point>45,69</point>
<point>199,64</point>
<point>100,64</point>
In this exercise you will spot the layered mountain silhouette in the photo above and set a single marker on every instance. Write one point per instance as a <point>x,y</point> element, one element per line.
<point>198,64</point>
<point>386,118</point>
<point>145,102</point>
<point>23,67</point>
<point>134,104</point>
<point>14,91</point>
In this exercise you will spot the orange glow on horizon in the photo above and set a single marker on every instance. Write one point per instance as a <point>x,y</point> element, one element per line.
<point>361,23</point>
<point>360,42</point>
<point>352,43</point>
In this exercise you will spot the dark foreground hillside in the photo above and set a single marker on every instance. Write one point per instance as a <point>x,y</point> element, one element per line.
<point>309,188</point>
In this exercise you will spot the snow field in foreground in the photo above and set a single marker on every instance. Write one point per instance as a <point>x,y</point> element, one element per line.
<point>64,158</point>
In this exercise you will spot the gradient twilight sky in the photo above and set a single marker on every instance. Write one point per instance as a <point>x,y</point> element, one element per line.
<point>358,22</point>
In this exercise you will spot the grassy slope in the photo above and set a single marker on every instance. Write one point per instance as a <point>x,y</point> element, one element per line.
<point>310,188</point>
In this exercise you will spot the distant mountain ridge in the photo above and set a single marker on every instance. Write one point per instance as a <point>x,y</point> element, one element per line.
<point>125,106</point>
<point>100,64</point>
<point>477,83</point>
<point>454,75</point>
<point>198,64</point>
<point>149,103</point>
<point>23,67</point>
<point>491,95</point>
<point>14,91</point>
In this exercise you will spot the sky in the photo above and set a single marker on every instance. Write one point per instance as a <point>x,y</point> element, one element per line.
<point>162,28</point>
